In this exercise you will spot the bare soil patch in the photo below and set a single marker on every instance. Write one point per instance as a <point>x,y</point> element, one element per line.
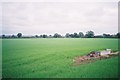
<point>93,56</point>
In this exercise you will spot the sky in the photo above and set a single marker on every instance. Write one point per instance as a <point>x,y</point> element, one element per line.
<point>34,18</point>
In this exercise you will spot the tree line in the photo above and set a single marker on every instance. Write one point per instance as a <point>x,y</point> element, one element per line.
<point>89,34</point>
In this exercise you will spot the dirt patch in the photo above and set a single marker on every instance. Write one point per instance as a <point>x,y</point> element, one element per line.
<point>92,57</point>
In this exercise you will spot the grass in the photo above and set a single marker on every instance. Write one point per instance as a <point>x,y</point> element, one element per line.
<point>53,58</point>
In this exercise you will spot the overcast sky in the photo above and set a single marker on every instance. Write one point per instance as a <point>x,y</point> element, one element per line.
<point>32,18</point>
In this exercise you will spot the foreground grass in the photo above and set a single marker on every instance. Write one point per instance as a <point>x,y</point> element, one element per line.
<point>44,58</point>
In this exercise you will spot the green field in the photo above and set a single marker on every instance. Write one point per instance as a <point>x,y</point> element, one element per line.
<point>53,58</point>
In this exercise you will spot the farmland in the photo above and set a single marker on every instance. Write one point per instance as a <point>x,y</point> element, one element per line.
<point>53,58</point>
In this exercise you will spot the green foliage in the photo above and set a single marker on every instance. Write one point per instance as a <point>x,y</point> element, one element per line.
<point>89,34</point>
<point>53,58</point>
<point>56,35</point>
<point>81,34</point>
<point>19,35</point>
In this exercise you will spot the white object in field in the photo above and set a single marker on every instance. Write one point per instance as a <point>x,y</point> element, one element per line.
<point>105,52</point>
<point>108,50</point>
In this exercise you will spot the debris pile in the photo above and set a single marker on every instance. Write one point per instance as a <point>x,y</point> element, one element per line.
<point>95,55</point>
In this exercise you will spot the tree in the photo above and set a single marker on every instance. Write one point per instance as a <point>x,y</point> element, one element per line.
<point>50,36</point>
<point>56,35</point>
<point>76,35</point>
<point>72,35</point>
<point>19,35</point>
<point>13,36</point>
<point>3,36</point>
<point>67,35</point>
<point>41,36</point>
<point>89,34</point>
<point>81,34</point>
<point>118,34</point>
<point>44,36</point>
<point>36,36</point>
<point>114,36</point>
<point>106,35</point>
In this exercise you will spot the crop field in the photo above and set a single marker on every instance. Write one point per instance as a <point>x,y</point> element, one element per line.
<point>53,58</point>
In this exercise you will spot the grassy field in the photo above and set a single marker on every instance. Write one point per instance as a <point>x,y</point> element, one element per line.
<point>53,58</point>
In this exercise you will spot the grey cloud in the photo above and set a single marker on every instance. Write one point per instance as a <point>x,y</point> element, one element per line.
<point>62,17</point>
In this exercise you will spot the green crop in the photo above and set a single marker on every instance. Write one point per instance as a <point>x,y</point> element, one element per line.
<point>53,58</point>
